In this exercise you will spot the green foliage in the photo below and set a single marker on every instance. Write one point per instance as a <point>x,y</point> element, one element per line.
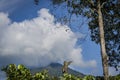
<point>99,78</point>
<point>114,77</point>
<point>41,75</point>
<point>89,77</point>
<point>55,69</point>
<point>69,77</point>
<point>20,72</point>
<point>117,77</point>
<point>111,21</point>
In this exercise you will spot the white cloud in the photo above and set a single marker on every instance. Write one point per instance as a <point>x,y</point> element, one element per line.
<point>4,20</point>
<point>39,41</point>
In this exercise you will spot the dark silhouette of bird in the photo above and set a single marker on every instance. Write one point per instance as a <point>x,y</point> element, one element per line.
<point>66,30</point>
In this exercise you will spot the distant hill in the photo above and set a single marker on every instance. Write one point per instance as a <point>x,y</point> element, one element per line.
<point>55,69</point>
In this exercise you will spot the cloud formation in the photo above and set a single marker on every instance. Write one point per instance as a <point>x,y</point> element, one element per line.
<point>38,42</point>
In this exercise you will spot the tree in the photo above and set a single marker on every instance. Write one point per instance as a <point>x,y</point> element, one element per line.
<point>104,21</point>
<point>111,19</point>
<point>102,42</point>
<point>104,25</point>
<point>19,72</point>
<point>65,66</point>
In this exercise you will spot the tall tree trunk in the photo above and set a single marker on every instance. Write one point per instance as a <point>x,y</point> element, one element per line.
<point>102,43</point>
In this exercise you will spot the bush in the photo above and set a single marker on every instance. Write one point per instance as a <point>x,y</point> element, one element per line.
<point>41,75</point>
<point>20,72</point>
<point>89,77</point>
<point>69,77</point>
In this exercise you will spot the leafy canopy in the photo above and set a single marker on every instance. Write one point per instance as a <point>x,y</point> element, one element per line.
<point>111,19</point>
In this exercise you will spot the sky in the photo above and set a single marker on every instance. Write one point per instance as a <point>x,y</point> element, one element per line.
<point>30,35</point>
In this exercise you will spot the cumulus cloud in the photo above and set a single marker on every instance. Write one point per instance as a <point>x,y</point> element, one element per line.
<point>39,41</point>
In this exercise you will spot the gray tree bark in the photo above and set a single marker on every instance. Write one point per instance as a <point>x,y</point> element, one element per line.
<point>65,66</point>
<point>102,43</point>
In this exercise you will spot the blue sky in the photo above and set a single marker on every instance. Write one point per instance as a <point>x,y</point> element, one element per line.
<point>30,36</point>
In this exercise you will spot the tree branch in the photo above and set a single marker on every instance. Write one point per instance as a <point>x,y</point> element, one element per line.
<point>92,6</point>
<point>103,4</point>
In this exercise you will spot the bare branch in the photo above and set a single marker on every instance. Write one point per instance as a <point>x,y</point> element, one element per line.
<point>91,2</point>
<point>92,5</point>
<point>103,4</point>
